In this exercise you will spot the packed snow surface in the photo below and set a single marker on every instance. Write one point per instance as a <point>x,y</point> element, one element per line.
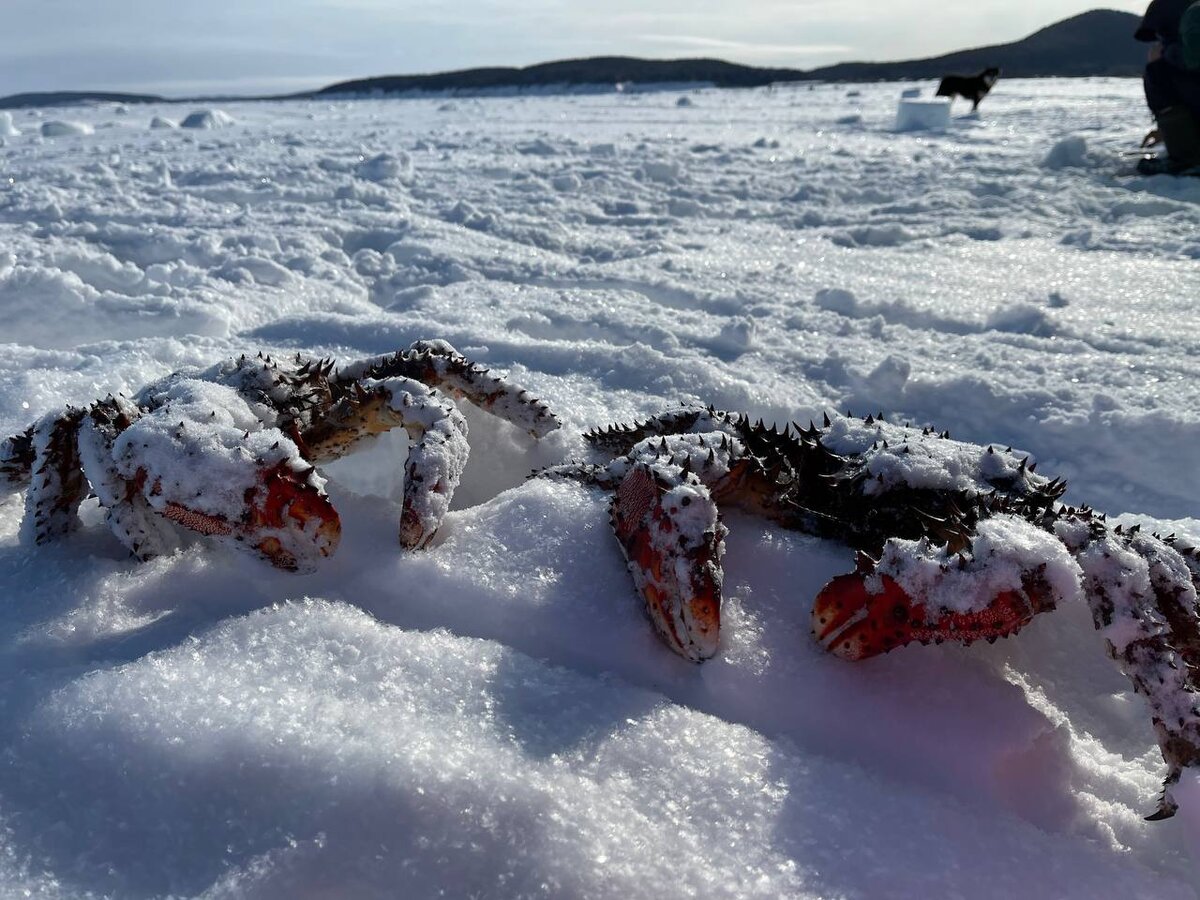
<point>494,716</point>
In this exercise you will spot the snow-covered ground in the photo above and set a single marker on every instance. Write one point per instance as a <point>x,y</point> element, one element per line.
<point>494,717</point>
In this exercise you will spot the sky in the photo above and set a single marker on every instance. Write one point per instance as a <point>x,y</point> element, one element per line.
<point>267,46</point>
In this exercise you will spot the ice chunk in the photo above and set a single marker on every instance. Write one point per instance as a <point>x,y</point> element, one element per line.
<point>385,167</point>
<point>61,128</point>
<point>1069,153</point>
<point>207,118</point>
<point>923,115</point>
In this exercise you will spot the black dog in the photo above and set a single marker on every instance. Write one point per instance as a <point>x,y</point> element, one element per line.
<point>969,87</point>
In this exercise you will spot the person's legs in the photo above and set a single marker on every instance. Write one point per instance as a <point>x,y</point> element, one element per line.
<point>1160,82</point>
<point>1173,95</point>
<point>1180,131</point>
<point>1187,90</point>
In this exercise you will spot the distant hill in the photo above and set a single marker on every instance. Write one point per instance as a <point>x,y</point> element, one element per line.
<point>73,98</point>
<point>599,70</point>
<point>1099,42</point>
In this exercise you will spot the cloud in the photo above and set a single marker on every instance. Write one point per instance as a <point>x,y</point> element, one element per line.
<point>746,48</point>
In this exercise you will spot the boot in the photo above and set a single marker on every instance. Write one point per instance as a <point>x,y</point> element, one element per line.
<point>1180,134</point>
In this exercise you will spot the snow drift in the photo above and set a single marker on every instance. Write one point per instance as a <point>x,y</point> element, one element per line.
<point>495,715</point>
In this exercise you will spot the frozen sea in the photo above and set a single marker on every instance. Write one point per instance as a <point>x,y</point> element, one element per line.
<point>494,717</point>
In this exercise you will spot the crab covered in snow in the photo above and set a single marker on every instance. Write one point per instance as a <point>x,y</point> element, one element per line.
<point>230,451</point>
<point>954,542</point>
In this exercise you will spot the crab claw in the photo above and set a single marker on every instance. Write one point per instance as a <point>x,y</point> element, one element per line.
<point>288,520</point>
<point>668,529</point>
<point>861,615</point>
<point>291,521</point>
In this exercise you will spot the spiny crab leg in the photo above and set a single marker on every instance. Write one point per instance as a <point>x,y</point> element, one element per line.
<point>856,619</point>
<point>1140,591</point>
<point>619,440</point>
<point>128,513</point>
<point>57,486</point>
<point>436,459</point>
<point>287,516</point>
<point>437,364</point>
<point>1142,594</point>
<point>989,587</point>
<point>16,459</point>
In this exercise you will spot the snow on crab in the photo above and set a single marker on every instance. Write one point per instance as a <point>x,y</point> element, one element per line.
<point>230,451</point>
<point>954,542</point>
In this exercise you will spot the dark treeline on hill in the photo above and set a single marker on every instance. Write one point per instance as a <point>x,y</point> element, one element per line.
<point>1094,43</point>
<point>604,70</point>
<point>72,98</point>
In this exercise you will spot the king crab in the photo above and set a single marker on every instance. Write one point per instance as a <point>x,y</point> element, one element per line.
<point>230,451</point>
<point>954,542</point>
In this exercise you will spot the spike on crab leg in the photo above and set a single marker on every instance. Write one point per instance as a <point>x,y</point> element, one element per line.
<point>437,364</point>
<point>673,544</point>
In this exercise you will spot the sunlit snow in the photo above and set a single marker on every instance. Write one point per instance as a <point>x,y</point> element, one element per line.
<point>494,716</point>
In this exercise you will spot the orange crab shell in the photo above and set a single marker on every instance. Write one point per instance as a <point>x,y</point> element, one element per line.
<point>680,581</point>
<point>861,615</point>
<point>288,520</point>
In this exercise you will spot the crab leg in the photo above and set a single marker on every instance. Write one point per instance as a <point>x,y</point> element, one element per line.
<point>1142,594</point>
<point>920,591</point>
<point>668,528</point>
<point>287,519</point>
<point>439,365</point>
<point>665,518</point>
<point>618,440</point>
<point>857,618</point>
<point>16,459</point>
<point>1143,600</point>
<point>129,514</point>
<point>57,484</point>
<point>436,458</point>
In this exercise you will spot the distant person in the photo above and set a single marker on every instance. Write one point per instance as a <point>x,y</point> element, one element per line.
<point>1172,82</point>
